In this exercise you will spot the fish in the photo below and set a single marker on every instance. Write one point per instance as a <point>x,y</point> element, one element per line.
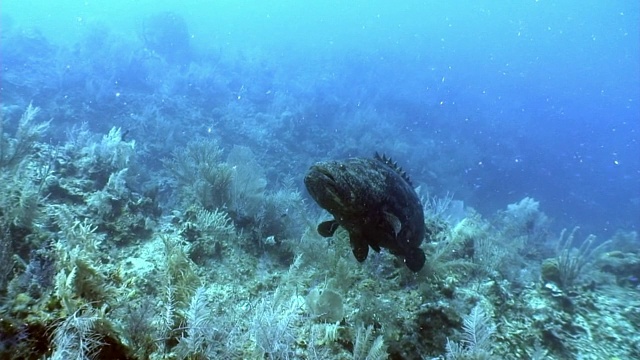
<point>373,199</point>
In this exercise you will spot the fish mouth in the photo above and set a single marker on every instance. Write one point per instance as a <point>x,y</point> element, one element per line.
<point>325,175</point>
<point>320,178</point>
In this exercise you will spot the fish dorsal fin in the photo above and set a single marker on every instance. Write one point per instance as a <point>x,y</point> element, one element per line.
<point>393,165</point>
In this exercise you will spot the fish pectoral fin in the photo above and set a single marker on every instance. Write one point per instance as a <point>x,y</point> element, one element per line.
<point>328,228</point>
<point>359,247</point>
<point>394,222</point>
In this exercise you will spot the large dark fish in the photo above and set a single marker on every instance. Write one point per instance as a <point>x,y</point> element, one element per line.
<point>375,202</point>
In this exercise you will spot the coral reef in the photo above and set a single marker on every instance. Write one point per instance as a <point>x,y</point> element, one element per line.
<point>152,207</point>
<point>232,267</point>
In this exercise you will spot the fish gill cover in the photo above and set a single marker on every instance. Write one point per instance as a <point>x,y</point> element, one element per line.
<point>152,158</point>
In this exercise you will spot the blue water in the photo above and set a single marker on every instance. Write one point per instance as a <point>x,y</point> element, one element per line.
<point>491,101</point>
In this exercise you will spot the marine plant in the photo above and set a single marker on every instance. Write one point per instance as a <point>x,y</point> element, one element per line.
<point>80,278</point>
<point>181,278</point>
<point>205,336</point>
<point>88,157</point>
<point>210,234</point>
<point>325,305</point>
<point>525,226</point>
<point>138,323</point>
<point>6,251</point>
<point>248,184</point>
<point>23,174</point>
<point>366,347</point>
<point>94,265</point>
<point>282,215</point>
<point>478,328</point>
<point>274,326</point>
<point>266,216</point>
<point>13,150</point>
<point>199,174</point>
<point>167,34</point>
<point>76,337</point>
<point>21,193</point>
<point>571,262</point>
